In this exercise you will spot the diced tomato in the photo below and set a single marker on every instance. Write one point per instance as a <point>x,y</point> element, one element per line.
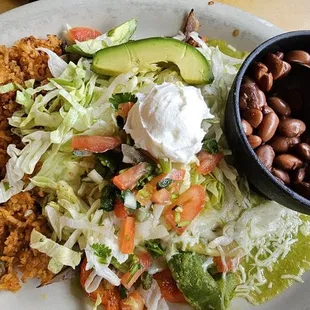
<point>231,263</point>
<point>134,301</point>
<point>120,210</point>
<point>174,187</point>
<point>207,161</point>
<point>83,34</point>
<point>168,287</point>
<point>124,108</point>
<point>96,144</point>
<point>127,235</point>
<point>109,294</point>
<point>157,179</point>
<point>191,203</point>
<point>176,175</point>
<point>129,178</point>
<point>144,195</point>
<point>161,197</point>
<point>129,279</point>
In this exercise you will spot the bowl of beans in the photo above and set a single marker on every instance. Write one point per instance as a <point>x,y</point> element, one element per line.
<point>267,119</point>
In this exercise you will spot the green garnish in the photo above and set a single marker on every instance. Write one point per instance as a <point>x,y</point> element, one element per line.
<point>146,280</point>
<point>177,216</point>
<point>211,146</point>
<point>183,224</point>
<point>163,183</point>
<point>154,247</point>
<point>102,251</point>
<point>119,98</point>
<point>108,197</point>
<point>108,163</point>
<point>123,292</point>
<point>6,186</point>
<point>165,165</point>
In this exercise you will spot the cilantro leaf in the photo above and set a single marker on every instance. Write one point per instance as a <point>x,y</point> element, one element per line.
<point>102,251</point>
<point>119,98</point>
<point>108,163</point>
<point>211,146</point>
<point>151,172</point>
<point>108,197</point>
<point>146,280</point>
<point>123,292</point>
<point>163,183</point>
<point>6,186</point>
<point>154,247</point>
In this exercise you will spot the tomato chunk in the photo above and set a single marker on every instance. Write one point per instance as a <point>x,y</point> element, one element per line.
<point>208,161</point>
<point>83,34</point>
<point>230,262</point>
<point>134,301</point>
<point>129,178</point>
<point>96,144</point>
<point>129,279</point>
<point>109,294</point>
<point>185,208</point>
<point>127,235</point>
<point>124,108</point>
<point>168,287</point>
<point>120,210</point>
<point>176,175</point>
<point>161,197</point>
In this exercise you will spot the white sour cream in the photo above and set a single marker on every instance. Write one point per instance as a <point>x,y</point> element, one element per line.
<point>167,122</point>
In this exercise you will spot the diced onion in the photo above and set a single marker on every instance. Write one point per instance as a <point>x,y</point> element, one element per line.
<point>130,200</point>
<point>95,176</point>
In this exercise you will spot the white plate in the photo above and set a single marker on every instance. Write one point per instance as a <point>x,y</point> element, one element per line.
<point>155,18</point>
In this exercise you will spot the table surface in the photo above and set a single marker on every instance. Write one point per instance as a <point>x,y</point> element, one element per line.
<point>287,14</point>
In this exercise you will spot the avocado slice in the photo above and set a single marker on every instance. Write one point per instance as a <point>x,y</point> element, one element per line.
<point>197,285</point>
<point>193,66</point>
<point>117,35</point>
<point>200,289</point>
<point>227,286</point>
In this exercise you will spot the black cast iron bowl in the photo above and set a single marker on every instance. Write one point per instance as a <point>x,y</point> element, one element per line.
<point>246,160</point>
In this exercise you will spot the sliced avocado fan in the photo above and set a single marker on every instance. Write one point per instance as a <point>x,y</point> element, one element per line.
<point>193,66</point>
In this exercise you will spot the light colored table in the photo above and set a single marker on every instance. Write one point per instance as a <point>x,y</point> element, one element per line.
<point>287,14</point>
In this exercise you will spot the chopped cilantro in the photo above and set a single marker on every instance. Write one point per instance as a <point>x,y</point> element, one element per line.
<point>119,98</point>
<point>108,197</point>
<point>102,251</point>
<point>163,183</point>
<point>210,146</point>
<point>121,267</point>
<point>146,280</point>
<point>123,292</point>
<point>6,186</point>
<point>154,248</point>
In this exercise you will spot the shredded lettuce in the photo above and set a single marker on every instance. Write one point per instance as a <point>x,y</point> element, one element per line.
<point>8,87</point>
<point>55,63</point>
<point>52,249</point>
<point>115,36</point>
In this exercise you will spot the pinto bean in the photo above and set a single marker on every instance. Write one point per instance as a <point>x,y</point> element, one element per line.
<point>282,175</point>
<point>303,149</point>
<point>248,130</point>
<point>268,126</point>
<point>253,116</point>
<point>292,127</point>
<point>266,155</point>
<point>255,141</point>
<point>279,106</point>
<point>288,162</point>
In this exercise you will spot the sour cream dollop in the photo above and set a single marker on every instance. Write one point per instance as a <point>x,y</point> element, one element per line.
<point>167,122</point>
